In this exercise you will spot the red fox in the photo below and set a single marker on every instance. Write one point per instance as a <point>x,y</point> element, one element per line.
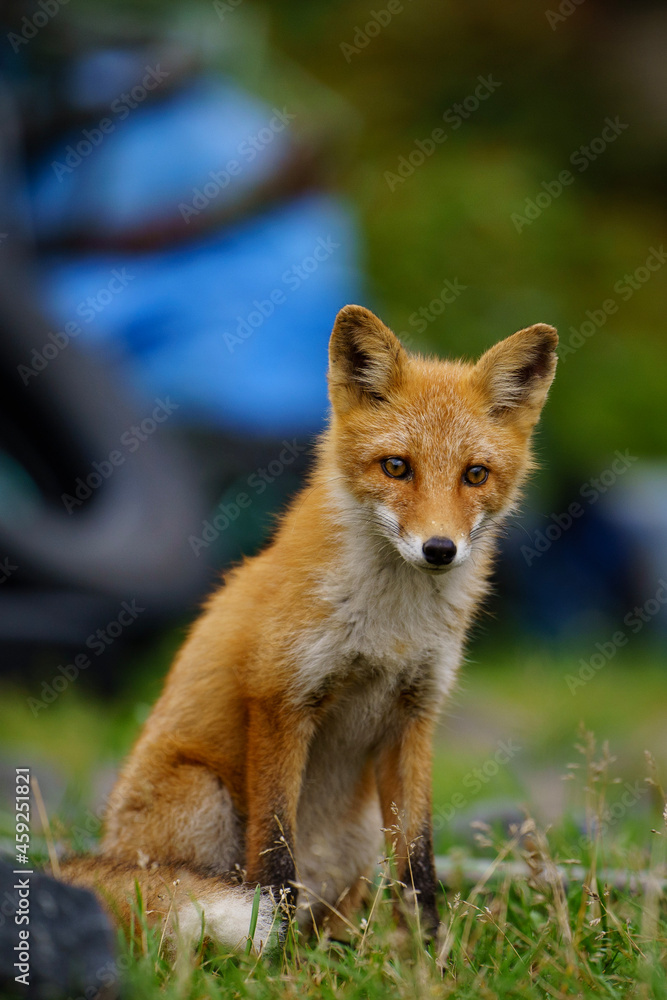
<point>296,723</point>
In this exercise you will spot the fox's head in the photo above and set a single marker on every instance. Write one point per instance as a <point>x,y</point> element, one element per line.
<point>433,453</point>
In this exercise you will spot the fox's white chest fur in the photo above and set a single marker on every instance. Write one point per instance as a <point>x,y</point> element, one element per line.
<point>390,632</point>
<point>387,621</point>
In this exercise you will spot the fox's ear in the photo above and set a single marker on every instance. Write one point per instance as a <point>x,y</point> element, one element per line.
<point>365,359</point>
<point>515,374</point>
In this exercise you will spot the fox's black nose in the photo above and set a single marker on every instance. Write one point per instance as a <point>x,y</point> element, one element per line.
<point>439,551</point>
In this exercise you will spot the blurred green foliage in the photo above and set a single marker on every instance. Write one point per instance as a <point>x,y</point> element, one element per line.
<point>452,218</point>
<point>559,80</point>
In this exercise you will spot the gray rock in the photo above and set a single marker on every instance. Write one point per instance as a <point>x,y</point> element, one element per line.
<point>69,947</point>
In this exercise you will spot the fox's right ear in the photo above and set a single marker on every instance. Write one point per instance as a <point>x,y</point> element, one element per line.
<point>516,373</point>
<point>365,359</point>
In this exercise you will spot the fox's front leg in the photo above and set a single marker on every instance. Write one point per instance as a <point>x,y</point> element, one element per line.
<point>277,750</point>
<point>404,785</point>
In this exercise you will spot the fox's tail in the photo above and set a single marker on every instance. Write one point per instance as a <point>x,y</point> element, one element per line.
<point>193,903</point>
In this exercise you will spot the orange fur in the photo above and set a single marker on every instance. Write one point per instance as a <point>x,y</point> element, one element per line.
<point>297,719</point>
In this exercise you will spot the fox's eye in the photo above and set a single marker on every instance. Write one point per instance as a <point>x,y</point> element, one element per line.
<point>396,468</point>
<point>475,475</point>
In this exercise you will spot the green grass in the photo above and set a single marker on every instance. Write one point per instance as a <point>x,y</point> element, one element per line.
<point>531,935</point>
<point>513,932</point>
<point>519,941</point>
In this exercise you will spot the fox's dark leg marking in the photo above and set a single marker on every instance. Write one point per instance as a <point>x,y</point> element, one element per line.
<point>404,786</point>
<point>422,866</point>
<point>277,751</point>
<point>277,861</point>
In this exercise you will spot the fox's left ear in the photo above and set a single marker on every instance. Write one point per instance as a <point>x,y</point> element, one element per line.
<point>515,374</point>
<point>365,359</point>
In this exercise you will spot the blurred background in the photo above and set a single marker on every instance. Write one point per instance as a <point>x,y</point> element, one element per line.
<point>188,194</point>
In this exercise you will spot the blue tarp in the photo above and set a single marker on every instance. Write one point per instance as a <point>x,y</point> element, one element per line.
<point>233,326</point>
